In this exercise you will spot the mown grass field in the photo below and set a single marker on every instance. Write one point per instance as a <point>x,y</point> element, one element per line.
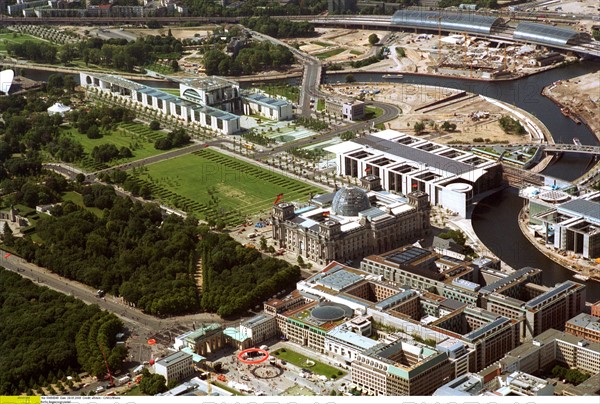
<point>299,360</point>
<point>137,137</point>
<point>238,188</point>
<point>20,38</point>
<point>328,54</point>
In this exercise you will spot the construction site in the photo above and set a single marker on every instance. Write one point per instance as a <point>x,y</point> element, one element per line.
<point>468,118</point>
<point>579,99</point>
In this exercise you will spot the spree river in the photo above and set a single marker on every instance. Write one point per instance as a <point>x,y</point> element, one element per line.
<point>495,218</point>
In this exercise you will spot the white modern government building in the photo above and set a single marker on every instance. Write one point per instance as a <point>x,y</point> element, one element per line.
<point>211,102</point>
<point>451,177</point>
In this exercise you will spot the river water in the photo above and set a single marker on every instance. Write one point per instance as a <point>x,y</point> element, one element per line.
<point>495,218</point>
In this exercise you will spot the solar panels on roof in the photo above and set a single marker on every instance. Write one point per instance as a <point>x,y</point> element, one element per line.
<point>549,294</point>
<point>586,208</point>
<point>482,330</point>
<point>412,154</point>
<point>407,256</point>
<point>545,34</point>
<point>340,279</point>
<point>446,21</point>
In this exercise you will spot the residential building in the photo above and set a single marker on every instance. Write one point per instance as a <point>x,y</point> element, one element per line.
<point>177,366</point>
<point>451,177</point>
<point>513,384</point>
<point>351,223</point>
<point>538,307</point>
<point>402,368</point>
<point>426,270</point>
<point>550,347</point>
<point>259,328</point>
<point>584,326</point>
<point>347,344</point>
<point>596,309</point>
<point>486,336</point>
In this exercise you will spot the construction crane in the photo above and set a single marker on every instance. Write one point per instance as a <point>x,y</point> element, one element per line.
<point>110,378</point>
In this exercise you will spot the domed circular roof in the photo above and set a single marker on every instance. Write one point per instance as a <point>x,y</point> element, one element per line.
<point>331,312</point>
<point>348,201</point>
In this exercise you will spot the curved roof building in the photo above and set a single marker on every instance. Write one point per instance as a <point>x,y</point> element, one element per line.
<point>546,34</point>
<point>349,201</point>
<point>434,20</point>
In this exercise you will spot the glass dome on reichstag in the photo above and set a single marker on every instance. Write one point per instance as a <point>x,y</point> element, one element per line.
<point>348,201</point>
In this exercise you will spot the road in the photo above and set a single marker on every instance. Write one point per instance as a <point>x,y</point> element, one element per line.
<point>87,294</point>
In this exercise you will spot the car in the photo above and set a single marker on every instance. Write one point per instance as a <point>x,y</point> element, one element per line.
<point>246,378</point>
<point>99,389</point>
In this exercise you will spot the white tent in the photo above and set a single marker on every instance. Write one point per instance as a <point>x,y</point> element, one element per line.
<point>6,80</point>
<point>58,108</point>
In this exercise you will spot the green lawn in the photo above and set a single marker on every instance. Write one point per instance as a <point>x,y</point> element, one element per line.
<point>135,391</point>
<point>77,199</point>
<point>372,112</point>
<point>355,52</point>
<point>240,188</point>
<point>328,54</point>
<point>320,43</point>
<point>137,137</point>
<point>288,91</point>
<point>20,38</point>
<point>173,91</point>
<point>300,360</point>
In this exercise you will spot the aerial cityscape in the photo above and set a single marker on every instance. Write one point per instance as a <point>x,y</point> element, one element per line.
<point>319,199</point>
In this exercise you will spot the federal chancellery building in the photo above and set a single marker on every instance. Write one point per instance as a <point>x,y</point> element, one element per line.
<point>211,102</point>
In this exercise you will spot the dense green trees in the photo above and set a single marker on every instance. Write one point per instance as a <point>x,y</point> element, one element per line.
<point>152,384</point>
<point>210,8</point>
<point>511,126</point>
<point>130,252</point>
<point>108,151</point>
<point>572,376</point>
<point>36,51</point>
<point>257,57</point>
<point>279,28</point>
<point>101,116</point>
<point>38,333</point>
<point>176,138</point>
<point>236,278</point>
<point>373,39</point>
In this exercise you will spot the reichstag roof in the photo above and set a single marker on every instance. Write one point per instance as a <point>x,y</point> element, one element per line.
<point>349,201</point>
<point>462,22</point>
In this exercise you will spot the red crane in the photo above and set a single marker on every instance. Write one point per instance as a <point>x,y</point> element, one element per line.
<point>110,378</point>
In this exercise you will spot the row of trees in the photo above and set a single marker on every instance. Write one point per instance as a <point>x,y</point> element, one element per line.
<point>235,278</point>
<point>256,57</point>
<point>279,28</point>
<point>96,340</point>
<point>210,8</point>
<point>38,333</point>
